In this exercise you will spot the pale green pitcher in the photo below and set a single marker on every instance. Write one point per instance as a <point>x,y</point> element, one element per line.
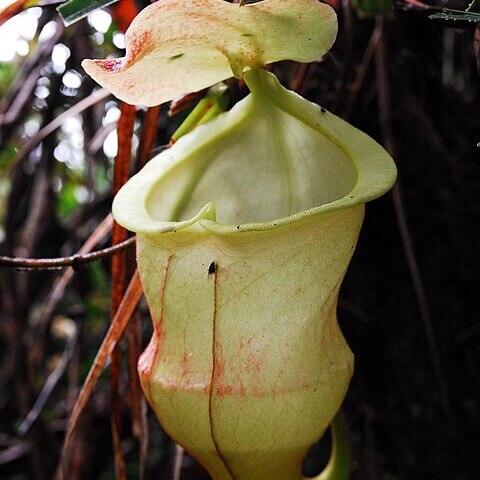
<point>245,229</point>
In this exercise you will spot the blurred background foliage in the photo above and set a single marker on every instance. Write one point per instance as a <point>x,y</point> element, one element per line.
<point>409,305</point>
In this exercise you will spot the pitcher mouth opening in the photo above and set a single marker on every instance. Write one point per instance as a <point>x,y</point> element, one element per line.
<point>273,159</point>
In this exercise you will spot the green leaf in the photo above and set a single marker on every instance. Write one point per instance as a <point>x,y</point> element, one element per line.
<point>7,74</point>
<point>175,47</point>
<point>75,10</point>
<point>369,8</point>
<point>67,200</point>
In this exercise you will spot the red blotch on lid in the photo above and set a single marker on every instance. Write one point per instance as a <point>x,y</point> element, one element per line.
<point>111,64</point>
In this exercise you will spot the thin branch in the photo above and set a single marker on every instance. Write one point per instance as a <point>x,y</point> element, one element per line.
<point>99,137</point>
<point>100,232</point>
<point>15,452</point>
<point>415,5</point>
<point>148,136</point>
<point>136,399</point>
<point>185,101</point>
<point>121,172</point>
<point>347,63</point>
<point>56,293</point>
<point>177,462</point>
<point>122,317</point>
<point>50,384</point>
<point>474,6</point>
<point>75,261</point>
<point>383,89</point>
<point>48,129</point>
<point>362,70</point>
<point>17,97</point>
<point>300,79</point>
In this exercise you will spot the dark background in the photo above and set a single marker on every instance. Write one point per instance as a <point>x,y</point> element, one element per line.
<point>414,402</point>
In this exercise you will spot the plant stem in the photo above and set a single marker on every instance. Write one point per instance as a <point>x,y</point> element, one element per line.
<point>206,109</point>
<point>340,463</point>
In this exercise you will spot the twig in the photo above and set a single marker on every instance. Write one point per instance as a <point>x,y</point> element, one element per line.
<point>348,58</point>
<point>74,261</point>
<point>121,172</point>
<point>177,462</point>
<point>362,71</point>
<point>22,97</point>
<point>56,293</point>
<point>353,309</point>
<point>16,98</point>
<point>448,56</point>
<point>50,384</point>
<point>185,101</point>
<point>387,131</point>
<point>14,452</point>
<point>99,138</point>
<point>300,79</point>
<point>40,210</point>
<point>148,136</point>
<point>48,129</point>
<point>473,6</point>
<point>415,5</point>
<point>136,399</point>
<point>122,317</point>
